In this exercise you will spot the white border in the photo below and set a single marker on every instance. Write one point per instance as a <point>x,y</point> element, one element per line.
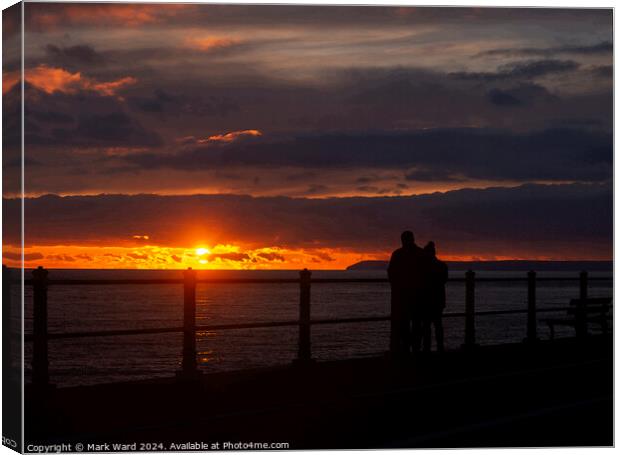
<point>479,3</point>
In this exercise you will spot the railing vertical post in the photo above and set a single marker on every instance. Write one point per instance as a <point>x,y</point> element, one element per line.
<point>531,307</point>
<point>189,365</point>
<point>304,354</point>
<point>7,341</point>
<point>581,324</point>
<point>40,360</point>
<point>470,310</point>
<point>583,285</point>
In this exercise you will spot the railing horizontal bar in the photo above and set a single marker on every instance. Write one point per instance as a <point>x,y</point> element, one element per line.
<point>349,320</point>
<point>545,278</point>
<point>456,279</point>
<point>108,333</point>
<point>499,312</point>
<point>249,325</point>
<point>247,280</point>
<point>268,324</point>
<point>81,282</point>
<point>348,280</point>
<point>590,278</point>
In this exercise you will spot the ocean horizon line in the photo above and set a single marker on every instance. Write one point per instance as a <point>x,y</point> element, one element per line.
<point>379,264</point>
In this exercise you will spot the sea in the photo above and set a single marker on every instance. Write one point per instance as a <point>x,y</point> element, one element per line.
<point>92,360</point>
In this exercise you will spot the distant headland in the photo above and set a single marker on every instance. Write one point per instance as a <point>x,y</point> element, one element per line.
<point>516,266</point>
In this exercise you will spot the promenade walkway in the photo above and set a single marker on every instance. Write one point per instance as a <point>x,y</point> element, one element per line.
<point>550,393</point>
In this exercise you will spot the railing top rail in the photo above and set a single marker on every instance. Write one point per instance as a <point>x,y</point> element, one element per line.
<point>144,281</point>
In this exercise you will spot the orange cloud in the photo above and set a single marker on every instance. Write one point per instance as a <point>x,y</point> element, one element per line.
<point>50,16</point>
<point>271,257</point>
<point>61,258</point>
<point>234,135</point>
<point>9,80</point>
<point>221,256</point>
<point>110,88</point>
<point>219,138</point>
<point>233,256</point>
<point>52,80</point>
<point>210,43</point>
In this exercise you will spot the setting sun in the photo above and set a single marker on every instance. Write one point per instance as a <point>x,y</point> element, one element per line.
<point>202,251</point>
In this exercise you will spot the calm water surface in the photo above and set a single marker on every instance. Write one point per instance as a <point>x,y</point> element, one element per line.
<point>105,359</point>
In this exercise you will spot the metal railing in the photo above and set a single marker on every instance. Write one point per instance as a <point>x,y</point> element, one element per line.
<point>189,368</point>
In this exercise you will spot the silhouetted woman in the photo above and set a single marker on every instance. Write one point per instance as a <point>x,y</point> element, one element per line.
<point>435,298</point>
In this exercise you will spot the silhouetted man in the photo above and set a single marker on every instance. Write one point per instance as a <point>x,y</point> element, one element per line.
<point>407,274</point>
<point>435,300</point>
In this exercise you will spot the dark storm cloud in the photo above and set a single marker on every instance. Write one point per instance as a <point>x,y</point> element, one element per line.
<point>155,103</point>
<point>111,129</point>
<point>400,97</point>
<point>162,102</point>
<point>11,25</point>
<point>601,48</point>
<point>603,70</point>
<point>537,68</point>
<point>560,154</point>
<point>211,106</point>
<point>572,217</point>
<point>303,175</point>
<point>503,98</point>
<point>115,129</point>
<point>318,16</point>
<point>578,123</point>
<point>358,110</point>
<point>82,118</point>
<point>48,116</point>
<point>365,98</point>
<point>71,56</point>
<point>432,175</point>
<point>16,162</point>
<point>49,16</point>
<point>367,179</point>
<point>349,99</point>
<point>11,118</point>
<point>521,70</point>
<point>523,94</point>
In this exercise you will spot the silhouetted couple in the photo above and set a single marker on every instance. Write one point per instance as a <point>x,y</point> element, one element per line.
<point>418,282</point>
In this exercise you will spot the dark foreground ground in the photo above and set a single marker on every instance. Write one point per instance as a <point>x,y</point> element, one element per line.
<point>554,394</point>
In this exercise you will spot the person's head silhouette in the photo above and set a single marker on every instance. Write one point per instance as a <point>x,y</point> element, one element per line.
<point>430,248</point>
<point>407,239</point>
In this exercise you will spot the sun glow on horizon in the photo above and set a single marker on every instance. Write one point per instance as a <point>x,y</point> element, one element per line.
<point>214,257</point>
<point>230,257</point>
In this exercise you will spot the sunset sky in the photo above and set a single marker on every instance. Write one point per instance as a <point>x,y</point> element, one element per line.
<point>220,136</point>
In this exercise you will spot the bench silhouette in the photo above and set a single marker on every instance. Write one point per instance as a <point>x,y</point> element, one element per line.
<point>580,313</point>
